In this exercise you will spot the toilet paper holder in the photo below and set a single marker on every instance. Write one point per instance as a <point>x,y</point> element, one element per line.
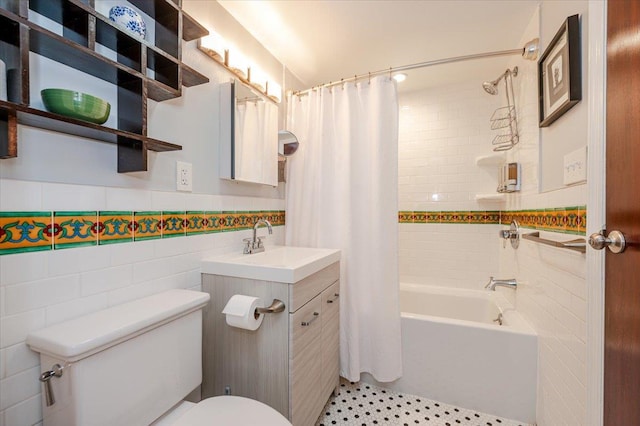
<point>275,307</point>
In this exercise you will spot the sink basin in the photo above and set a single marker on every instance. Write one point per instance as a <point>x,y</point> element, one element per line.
<point>283,264</point>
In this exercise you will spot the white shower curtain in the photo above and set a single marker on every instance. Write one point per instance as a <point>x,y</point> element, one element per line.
<point>342,191</point>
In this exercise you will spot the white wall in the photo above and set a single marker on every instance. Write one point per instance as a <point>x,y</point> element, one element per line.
<point>552,290</point>
<point>190,121</point>
<point>61,172</point>
<point>569,132</point>
<point>441,133</point>
<point>43,288</point>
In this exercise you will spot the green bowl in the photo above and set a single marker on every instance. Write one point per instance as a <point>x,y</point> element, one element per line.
<point>76,105</point>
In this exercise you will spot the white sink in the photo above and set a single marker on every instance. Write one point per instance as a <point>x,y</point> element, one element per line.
<point>283,264</point>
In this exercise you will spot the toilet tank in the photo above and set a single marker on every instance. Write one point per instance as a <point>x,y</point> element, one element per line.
<point>125,365</point>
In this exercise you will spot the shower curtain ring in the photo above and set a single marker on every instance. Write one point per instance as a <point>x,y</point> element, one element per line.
<point>369,77</point>
<point>342,83</point>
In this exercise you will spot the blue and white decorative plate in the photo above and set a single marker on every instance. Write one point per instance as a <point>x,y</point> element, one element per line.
<point>129,19</point>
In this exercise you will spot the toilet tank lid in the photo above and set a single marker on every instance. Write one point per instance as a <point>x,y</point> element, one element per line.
<point>83,336</point>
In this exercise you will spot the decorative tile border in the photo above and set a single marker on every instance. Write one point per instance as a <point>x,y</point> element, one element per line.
<point>75,229</point>
<point>36,231</point>
<point>451,217</point>
<point>25,231</point>
<point>569,220</point>
<point>115,227</point>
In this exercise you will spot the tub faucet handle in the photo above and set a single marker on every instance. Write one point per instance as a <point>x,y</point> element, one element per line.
<point>490,282</point>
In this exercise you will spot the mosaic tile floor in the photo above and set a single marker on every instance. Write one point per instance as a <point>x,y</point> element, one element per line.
<point>361,404</point>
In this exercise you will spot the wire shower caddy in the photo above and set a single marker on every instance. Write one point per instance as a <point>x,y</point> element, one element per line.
<point>504,119</point>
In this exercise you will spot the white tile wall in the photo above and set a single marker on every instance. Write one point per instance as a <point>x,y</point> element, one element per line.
<point>461,256</point>
<point>44,288</point>
<point>441,132</point>
<point>552,292</point>
<point>551,295</point>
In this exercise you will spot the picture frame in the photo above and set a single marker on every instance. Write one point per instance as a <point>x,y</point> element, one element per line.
<point>560,73</point>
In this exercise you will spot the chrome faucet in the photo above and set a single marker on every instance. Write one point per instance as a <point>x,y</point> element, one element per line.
<point>254,245</point>
<point>493,283</point>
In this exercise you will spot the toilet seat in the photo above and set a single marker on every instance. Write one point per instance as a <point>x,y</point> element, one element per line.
<point>231,410</point>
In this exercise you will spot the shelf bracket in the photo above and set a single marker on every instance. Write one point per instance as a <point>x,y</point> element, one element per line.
<point>8,134</point>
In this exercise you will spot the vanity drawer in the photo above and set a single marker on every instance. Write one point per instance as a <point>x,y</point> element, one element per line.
<point>305,326</point>
<point>305,290</point>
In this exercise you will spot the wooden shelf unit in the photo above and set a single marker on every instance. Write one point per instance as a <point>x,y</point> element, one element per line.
<point>141,70</point>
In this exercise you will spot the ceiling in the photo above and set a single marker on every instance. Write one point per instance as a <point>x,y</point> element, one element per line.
<point>326,40</point>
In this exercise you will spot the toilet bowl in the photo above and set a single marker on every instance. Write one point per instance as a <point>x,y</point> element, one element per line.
<point>223,410</point>
<point>133,364</point>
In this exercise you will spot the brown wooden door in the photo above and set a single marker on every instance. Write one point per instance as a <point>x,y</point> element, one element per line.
<point>622,271</point>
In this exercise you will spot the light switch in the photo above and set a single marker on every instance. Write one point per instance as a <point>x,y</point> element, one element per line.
<point>575,166</point>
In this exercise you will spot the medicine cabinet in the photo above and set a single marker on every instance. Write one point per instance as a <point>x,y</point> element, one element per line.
<point>248,135</point>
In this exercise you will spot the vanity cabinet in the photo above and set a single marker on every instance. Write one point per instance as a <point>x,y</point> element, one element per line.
<point>292,361</point>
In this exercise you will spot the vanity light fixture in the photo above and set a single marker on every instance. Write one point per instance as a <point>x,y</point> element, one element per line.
<point>274,91</point>
<point>257,77</point>
<point>238,63</point>
<point>214,46</point>
<point>218,49</point>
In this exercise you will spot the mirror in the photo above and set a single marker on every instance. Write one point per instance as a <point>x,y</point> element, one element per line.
<point>248,135</point>
<point>287,143</point>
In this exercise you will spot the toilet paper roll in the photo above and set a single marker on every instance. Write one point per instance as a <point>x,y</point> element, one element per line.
<point>240,312</point>
<point>3,81</point>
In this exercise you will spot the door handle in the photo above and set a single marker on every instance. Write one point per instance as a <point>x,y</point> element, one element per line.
<point>614,241</point>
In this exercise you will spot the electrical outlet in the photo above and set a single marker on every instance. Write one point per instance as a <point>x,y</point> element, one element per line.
<point>575,166</point>
<point>184,176</point>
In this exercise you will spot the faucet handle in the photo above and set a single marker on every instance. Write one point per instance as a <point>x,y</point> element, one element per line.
<point>490,282</point>
<point>247,245</point>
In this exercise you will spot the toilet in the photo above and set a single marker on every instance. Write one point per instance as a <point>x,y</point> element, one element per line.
<point>133,364</point>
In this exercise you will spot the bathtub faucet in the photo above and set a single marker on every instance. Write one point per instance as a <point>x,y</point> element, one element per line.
<point>493,283</point>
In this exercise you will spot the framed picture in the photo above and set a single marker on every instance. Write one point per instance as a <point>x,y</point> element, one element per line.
<point>559,73</point>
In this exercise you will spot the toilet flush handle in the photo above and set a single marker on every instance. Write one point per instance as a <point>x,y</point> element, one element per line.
<point>56,371</point>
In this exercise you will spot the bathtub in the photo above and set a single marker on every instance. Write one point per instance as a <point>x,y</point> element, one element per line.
<point>455,351</point>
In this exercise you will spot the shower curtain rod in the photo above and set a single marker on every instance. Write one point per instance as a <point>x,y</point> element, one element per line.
<point>391,70</point>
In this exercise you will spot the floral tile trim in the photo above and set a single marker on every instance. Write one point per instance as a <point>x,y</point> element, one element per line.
<point>569,220</point>
<point>25,231</point>
<point>35,231</point>
<point>75,229</point>
<point>173,224</point>
<point>196,223</point>
<point>451,217</point>
<point>115,227</point>
<point>147,225</point>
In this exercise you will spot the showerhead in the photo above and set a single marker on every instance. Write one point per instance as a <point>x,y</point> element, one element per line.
<point>490,87</point>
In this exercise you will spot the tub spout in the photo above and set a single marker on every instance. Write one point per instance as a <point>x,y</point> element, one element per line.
<point>493,283</point>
